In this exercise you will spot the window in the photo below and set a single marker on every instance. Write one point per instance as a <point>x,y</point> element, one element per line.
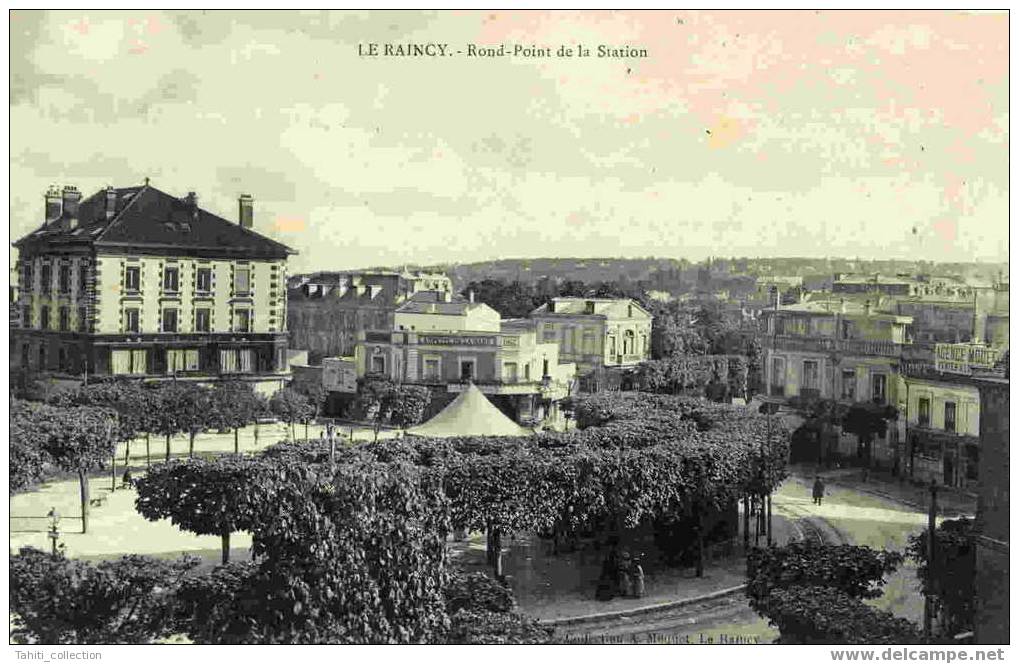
<point>47,278</point>
<point>242,320</point>
<point>378,364</point>
<point>467,370</point>
<point>878,384</point>
<point>203,320</point>
<point>242,281</point>
<point>171,279</point>
<point>527,372</point>
<point>811,375</point>
<point>132,278</point>
<point>65,319</point>
<point>44,317</point>
<point>26,316</point>
<point>544,368</point>
<point>64,279</point>
<point>82,278</point>
<point>849,385</point>
<point>82,319</point>
<point>127,361</point>
<point>509,372</point>
<point>181,359</point>
<point>612,346</point>
<point>27,276</point>
<point>432,368</point>
<point>628,342</point>
<point>923,414</point>
<point>203,280</point>
<point>950,416</point>
<point>236,360</point>
<point>169,320</point>
<point>548,334</point>
<point>131,321</point>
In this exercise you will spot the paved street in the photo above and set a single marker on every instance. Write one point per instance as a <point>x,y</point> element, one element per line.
<point>849,514</point>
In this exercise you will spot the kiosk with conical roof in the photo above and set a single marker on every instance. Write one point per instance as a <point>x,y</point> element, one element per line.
<point>470,414</point>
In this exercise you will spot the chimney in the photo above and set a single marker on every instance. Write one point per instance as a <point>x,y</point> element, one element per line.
<point>111,202</point>
<point>246,211</point>
<point>54,204</point>
<point>71,198</point>
<point>470,296</point>
<point>589,307</point>
<point>191,200</point>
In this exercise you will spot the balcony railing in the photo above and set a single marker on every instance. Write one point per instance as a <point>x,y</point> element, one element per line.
<point>847,346</point>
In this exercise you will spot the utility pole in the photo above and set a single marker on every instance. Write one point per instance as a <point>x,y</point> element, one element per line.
<point>928,604</point>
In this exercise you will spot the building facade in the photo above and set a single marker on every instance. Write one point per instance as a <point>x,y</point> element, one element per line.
<point>448,345</point>
<point>136,282</point>
<point>327,310</point>
<point>991,621</point>
<point>595,333</point>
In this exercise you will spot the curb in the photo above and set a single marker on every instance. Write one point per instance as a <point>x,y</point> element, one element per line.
<point>592,617</point>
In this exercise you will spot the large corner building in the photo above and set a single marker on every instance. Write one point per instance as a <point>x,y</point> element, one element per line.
<point>136,282</point>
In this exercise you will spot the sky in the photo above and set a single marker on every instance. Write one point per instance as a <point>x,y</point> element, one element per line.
<point>870,134</point>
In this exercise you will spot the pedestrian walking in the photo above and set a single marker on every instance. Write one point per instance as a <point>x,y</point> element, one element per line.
<point>818,490</point>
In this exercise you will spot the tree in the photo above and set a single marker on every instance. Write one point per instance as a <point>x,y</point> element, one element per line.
<point>813,593</point>
<point>381,401</point>
<point>867,421</point>
<point>290,406</point>
<point>128,399</point>
<point>203,497</point>
<point>359,557</point>
<point>29,461</point>
<point>164,419</point>
<point>234,404</point>
<point>952,582</point>
<point>56,600</point>
<point>78,439</point>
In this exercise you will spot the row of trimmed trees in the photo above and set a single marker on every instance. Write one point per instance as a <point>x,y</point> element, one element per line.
<point>352,548</point>
<point>77,431</point>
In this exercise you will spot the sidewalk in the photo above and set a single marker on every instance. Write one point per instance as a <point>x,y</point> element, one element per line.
<point>561,587</point>
<point>952,503</point>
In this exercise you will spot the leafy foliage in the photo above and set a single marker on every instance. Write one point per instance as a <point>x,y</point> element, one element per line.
<point>133,404</point>
<point>203,497</point>
<point>491,628</point>
<point>813,593</point>
<point>953,583</point>
<point>867,421</point>
<point>824,615</point>
<point>234,404</point>
<point>381,401</point>
<point>857,571</point>
<point>58,600</point>
<point>478,591</point>
<point>290,406</point>
<point>29,462</point>
<point>358,557</point>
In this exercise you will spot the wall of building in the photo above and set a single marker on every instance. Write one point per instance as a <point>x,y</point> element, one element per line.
<point>266,300</point>
<point>992,582</point>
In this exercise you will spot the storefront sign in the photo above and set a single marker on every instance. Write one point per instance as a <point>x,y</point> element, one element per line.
<point>429,340</point>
